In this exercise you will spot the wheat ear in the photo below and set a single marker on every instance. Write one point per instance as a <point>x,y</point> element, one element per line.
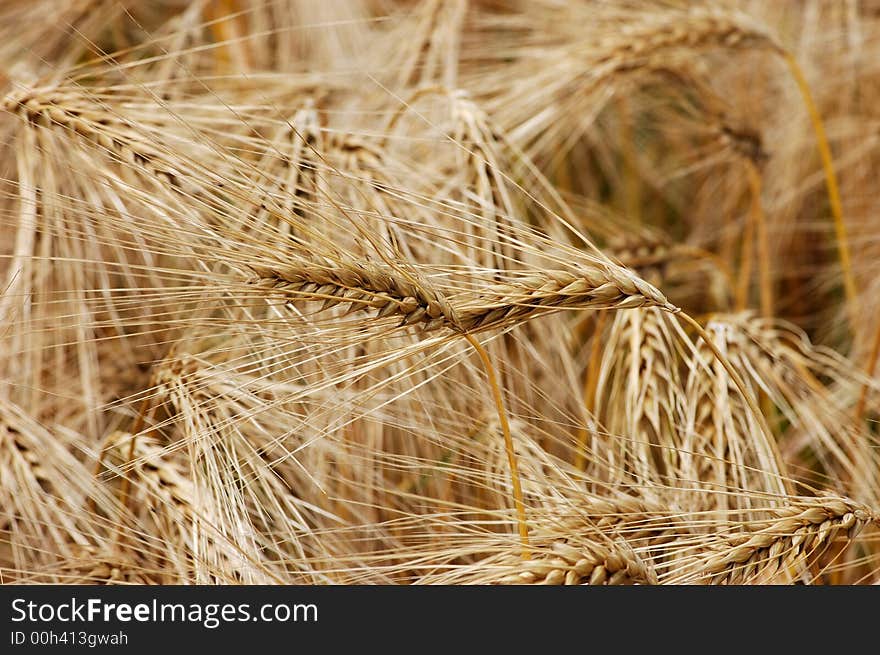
<point>567,563</point>
<point>787,543</point>
<point>365,286</point>
<point>81,116</point>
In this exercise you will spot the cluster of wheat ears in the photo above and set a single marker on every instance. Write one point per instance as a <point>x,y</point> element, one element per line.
<point>439,292</point>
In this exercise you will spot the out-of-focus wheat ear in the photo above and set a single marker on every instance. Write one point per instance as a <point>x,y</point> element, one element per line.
<point>102,122</point>
<point>169,499</point>
<point>695,30</point>
<point>74,113</point>
<point>747,396</point>
<point>430,50</point>
<point>641,392</point>
<point>17,277</point>
<point>43,489</point>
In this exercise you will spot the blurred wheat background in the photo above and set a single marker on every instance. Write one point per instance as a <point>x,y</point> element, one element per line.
<point>439,291</point>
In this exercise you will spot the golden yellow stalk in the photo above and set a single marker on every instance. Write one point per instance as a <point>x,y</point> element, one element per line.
<point>590,383</point>
<point>849,283</point>
<point>760,222</point>
<point>508,443</point>
<point>746,256</point>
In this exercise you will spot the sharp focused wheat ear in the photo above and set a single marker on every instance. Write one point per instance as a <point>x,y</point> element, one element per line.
<point>361,287</point>
<point>785,546</point>
<point>366,287</point>
<point>573,563</point>
<point>493,306</point>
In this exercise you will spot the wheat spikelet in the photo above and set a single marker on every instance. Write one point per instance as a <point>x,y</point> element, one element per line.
<point>724,448</point>
<point>813,388</point>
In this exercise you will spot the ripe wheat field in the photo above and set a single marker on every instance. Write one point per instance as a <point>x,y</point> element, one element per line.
<point>439,292</point>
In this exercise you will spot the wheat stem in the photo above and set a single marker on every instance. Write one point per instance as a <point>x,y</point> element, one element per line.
<point>849,283</point>
<point>760,222</point>
<point>869,370</point>
<point>145,408</point>
<point>590,384</point>
<point>508,443</point>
